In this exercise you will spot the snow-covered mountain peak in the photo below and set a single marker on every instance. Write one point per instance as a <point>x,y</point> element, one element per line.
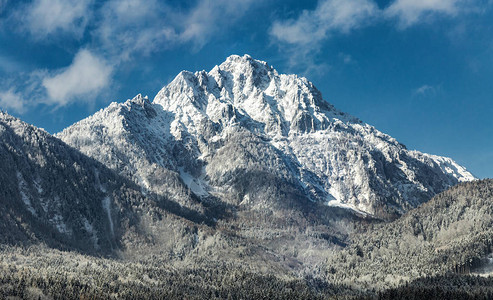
<point>246,66</point>
<point>243,116</point>
<point>243,62</point>
<point>249,91</point>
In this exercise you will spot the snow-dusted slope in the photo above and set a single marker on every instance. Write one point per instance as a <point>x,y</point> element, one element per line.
<point>133,138</point>
<point>52,193</point>
<point>219,131</point>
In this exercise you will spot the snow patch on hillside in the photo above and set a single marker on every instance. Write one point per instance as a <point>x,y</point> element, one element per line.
<point>336,203</point>
<point>106,202</point>
<point>23,190</point>
<point>196,185</point>
<point>107,207</point>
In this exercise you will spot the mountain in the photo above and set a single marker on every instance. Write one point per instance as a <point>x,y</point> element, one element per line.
<point>252,138</point>
<point>234,183</point>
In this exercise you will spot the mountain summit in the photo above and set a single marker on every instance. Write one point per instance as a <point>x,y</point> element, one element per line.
<point>250,137</point>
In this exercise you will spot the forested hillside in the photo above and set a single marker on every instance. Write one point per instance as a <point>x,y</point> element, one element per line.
<point>452,233</point>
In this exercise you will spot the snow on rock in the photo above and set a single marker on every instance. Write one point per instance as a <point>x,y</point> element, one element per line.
<point>196,185</point>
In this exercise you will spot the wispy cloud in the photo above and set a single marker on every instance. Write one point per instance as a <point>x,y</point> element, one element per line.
<point>330,16</point>
<point>10,99</point>
<point>22,91</point>
<point>302,36</point>
<point>86,76</point>
<point>48,17</point>
<point>410,12</point>
<point>342,16</point>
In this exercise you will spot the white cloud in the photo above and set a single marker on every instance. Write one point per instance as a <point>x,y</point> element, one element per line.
<point>85,78</point>
<point>11,100</point>
<point>330,16</point>
<point>87,75</point>
<point>410,12</point>
<point>45,17</point>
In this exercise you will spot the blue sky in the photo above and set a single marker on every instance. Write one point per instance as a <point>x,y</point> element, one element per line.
<point>419,70</point>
